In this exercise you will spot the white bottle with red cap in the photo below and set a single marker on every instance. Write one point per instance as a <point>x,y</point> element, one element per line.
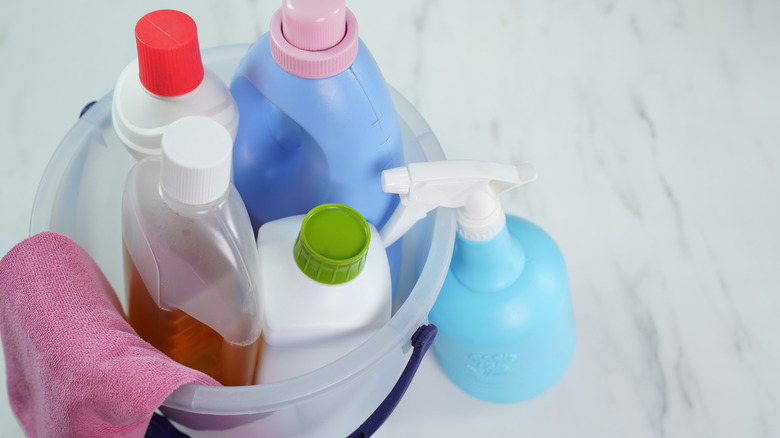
<point>165,83</point>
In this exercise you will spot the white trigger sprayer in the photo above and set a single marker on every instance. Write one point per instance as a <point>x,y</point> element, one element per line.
<point>470,186</point>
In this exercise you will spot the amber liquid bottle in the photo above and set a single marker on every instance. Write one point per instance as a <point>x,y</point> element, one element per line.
<point>185,339</point>
<point>190,259</point>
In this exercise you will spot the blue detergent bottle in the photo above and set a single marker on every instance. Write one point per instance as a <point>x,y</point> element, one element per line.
<point>317,124</point>
<point>504,314</point>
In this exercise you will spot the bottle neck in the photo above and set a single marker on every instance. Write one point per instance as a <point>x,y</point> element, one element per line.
<point>489,265</point>
<point>190,209</point>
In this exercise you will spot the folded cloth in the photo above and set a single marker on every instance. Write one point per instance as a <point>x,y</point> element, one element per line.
<point>74,366</point>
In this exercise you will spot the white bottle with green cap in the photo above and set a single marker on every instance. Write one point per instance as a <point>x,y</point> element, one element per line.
<point>325,285</point>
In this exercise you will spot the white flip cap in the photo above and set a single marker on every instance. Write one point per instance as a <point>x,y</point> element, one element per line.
<point>196,160</point>
<point>470,186</point>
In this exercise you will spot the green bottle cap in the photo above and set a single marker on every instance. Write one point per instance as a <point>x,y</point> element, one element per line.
<point>332,246</point>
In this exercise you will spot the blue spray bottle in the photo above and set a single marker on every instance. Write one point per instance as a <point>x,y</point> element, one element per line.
<point>316,124</point>
<point>505,319</point>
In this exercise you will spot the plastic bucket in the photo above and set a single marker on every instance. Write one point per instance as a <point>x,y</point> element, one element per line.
<point>80,196</point>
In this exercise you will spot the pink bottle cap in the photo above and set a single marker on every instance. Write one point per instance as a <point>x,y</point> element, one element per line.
<point>313,24</point>
<point>169,61</point>
<point>314,38</point>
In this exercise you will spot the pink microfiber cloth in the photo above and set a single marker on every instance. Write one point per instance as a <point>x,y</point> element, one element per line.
<point>74,366</point>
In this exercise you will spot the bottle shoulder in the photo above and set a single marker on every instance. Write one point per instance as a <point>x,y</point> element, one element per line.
<point>208,226</point>
<point>521,247</point>
<point>140,109</point>
<point>520,307</point>
<point>140,117</point>
<point>532,235</point>
<point>361,90</point>
<point>300,310</point>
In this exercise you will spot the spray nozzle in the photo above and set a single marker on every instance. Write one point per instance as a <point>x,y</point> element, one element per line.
<point>470,186</point>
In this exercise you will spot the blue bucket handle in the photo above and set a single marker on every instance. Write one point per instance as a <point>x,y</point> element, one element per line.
<point>86,108</point>
<point>159,427</point>
<point>421,342</point>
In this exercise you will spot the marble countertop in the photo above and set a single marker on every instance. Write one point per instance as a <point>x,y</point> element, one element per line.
<point>655,128</point>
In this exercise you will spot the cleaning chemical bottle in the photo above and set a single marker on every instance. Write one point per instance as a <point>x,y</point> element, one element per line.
<point>505,319</point>
<point>317,123</point>
<point>325,285</point>
<point>191,265</point>
<point>165,83</point>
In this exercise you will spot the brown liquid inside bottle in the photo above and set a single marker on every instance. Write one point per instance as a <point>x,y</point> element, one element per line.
<point>185,339</point>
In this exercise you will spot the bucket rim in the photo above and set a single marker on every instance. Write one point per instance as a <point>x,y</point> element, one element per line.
<point>269,397</point>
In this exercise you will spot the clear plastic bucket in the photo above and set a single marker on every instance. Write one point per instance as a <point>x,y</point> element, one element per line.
<point>80,196</point>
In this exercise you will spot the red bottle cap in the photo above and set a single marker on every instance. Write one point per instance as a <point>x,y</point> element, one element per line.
<point>169,61</point>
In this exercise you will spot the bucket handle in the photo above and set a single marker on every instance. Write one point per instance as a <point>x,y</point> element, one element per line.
<point>86,108</point>
<point>421,341</point>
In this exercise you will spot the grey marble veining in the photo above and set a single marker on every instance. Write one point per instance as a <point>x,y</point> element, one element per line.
<point>655,127</point>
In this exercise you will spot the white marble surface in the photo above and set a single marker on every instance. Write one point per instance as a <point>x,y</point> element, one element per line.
<point>655,127</point>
